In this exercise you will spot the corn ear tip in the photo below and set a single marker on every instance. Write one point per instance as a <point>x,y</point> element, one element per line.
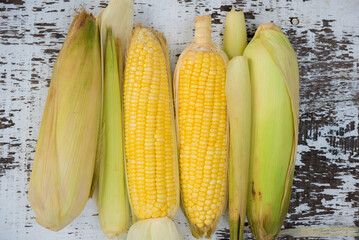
<point>269,26</point>
<point>234,11</point>
<point>203,18</point>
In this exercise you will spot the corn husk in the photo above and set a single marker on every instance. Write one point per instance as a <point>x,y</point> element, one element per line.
<point>154,229</point>
<point>235,34</point>
<point>274,75</point>
<point>117,16</point>
<point>65,153</point>
<point>238,93</point>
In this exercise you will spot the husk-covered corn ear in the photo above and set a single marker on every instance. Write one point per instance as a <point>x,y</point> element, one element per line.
<point>238,93</point>
<point>114,208</point>
<point>118,17</point>
<point>115,23</point>
<point>274,75</point>
<point>65,153</point>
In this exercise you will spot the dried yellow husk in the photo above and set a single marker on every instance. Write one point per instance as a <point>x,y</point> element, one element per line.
<point>66,149</point>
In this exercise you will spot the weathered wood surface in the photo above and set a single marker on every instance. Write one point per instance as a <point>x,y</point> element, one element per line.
<point>325,35</point>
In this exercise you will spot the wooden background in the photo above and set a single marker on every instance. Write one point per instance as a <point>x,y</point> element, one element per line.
<point>325,36</point>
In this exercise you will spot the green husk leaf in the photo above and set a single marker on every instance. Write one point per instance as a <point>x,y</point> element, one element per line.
<point>113,204</point>
<point>117,16</point>
<point>116,22</point>
<point>238,93</point>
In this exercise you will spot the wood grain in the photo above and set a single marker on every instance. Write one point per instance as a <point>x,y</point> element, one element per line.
<point>325,36</point>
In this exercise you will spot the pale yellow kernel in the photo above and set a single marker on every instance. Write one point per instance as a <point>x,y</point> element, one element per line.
<point>156,214</point>
<point>208,222</point>
<point>189,209</point>
<point>149,212</point>
<point>200,225</point>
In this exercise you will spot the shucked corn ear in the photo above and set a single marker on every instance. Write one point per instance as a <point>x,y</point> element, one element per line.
<point>235,35</point>
<point>202,125</point>
<point>115,23</point>
<point>238,92</point>
<point>65,153</point>
<point>274,76</point>
<point>150,137</point>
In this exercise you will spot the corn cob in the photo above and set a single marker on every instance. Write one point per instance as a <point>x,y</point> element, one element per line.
<point>115,23</point>
<point>235,35</point>
<point>238,92</point>
<point>150,137</point>
<point>201,109</point>
<point>65,153</point>
<point>274,75</point>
